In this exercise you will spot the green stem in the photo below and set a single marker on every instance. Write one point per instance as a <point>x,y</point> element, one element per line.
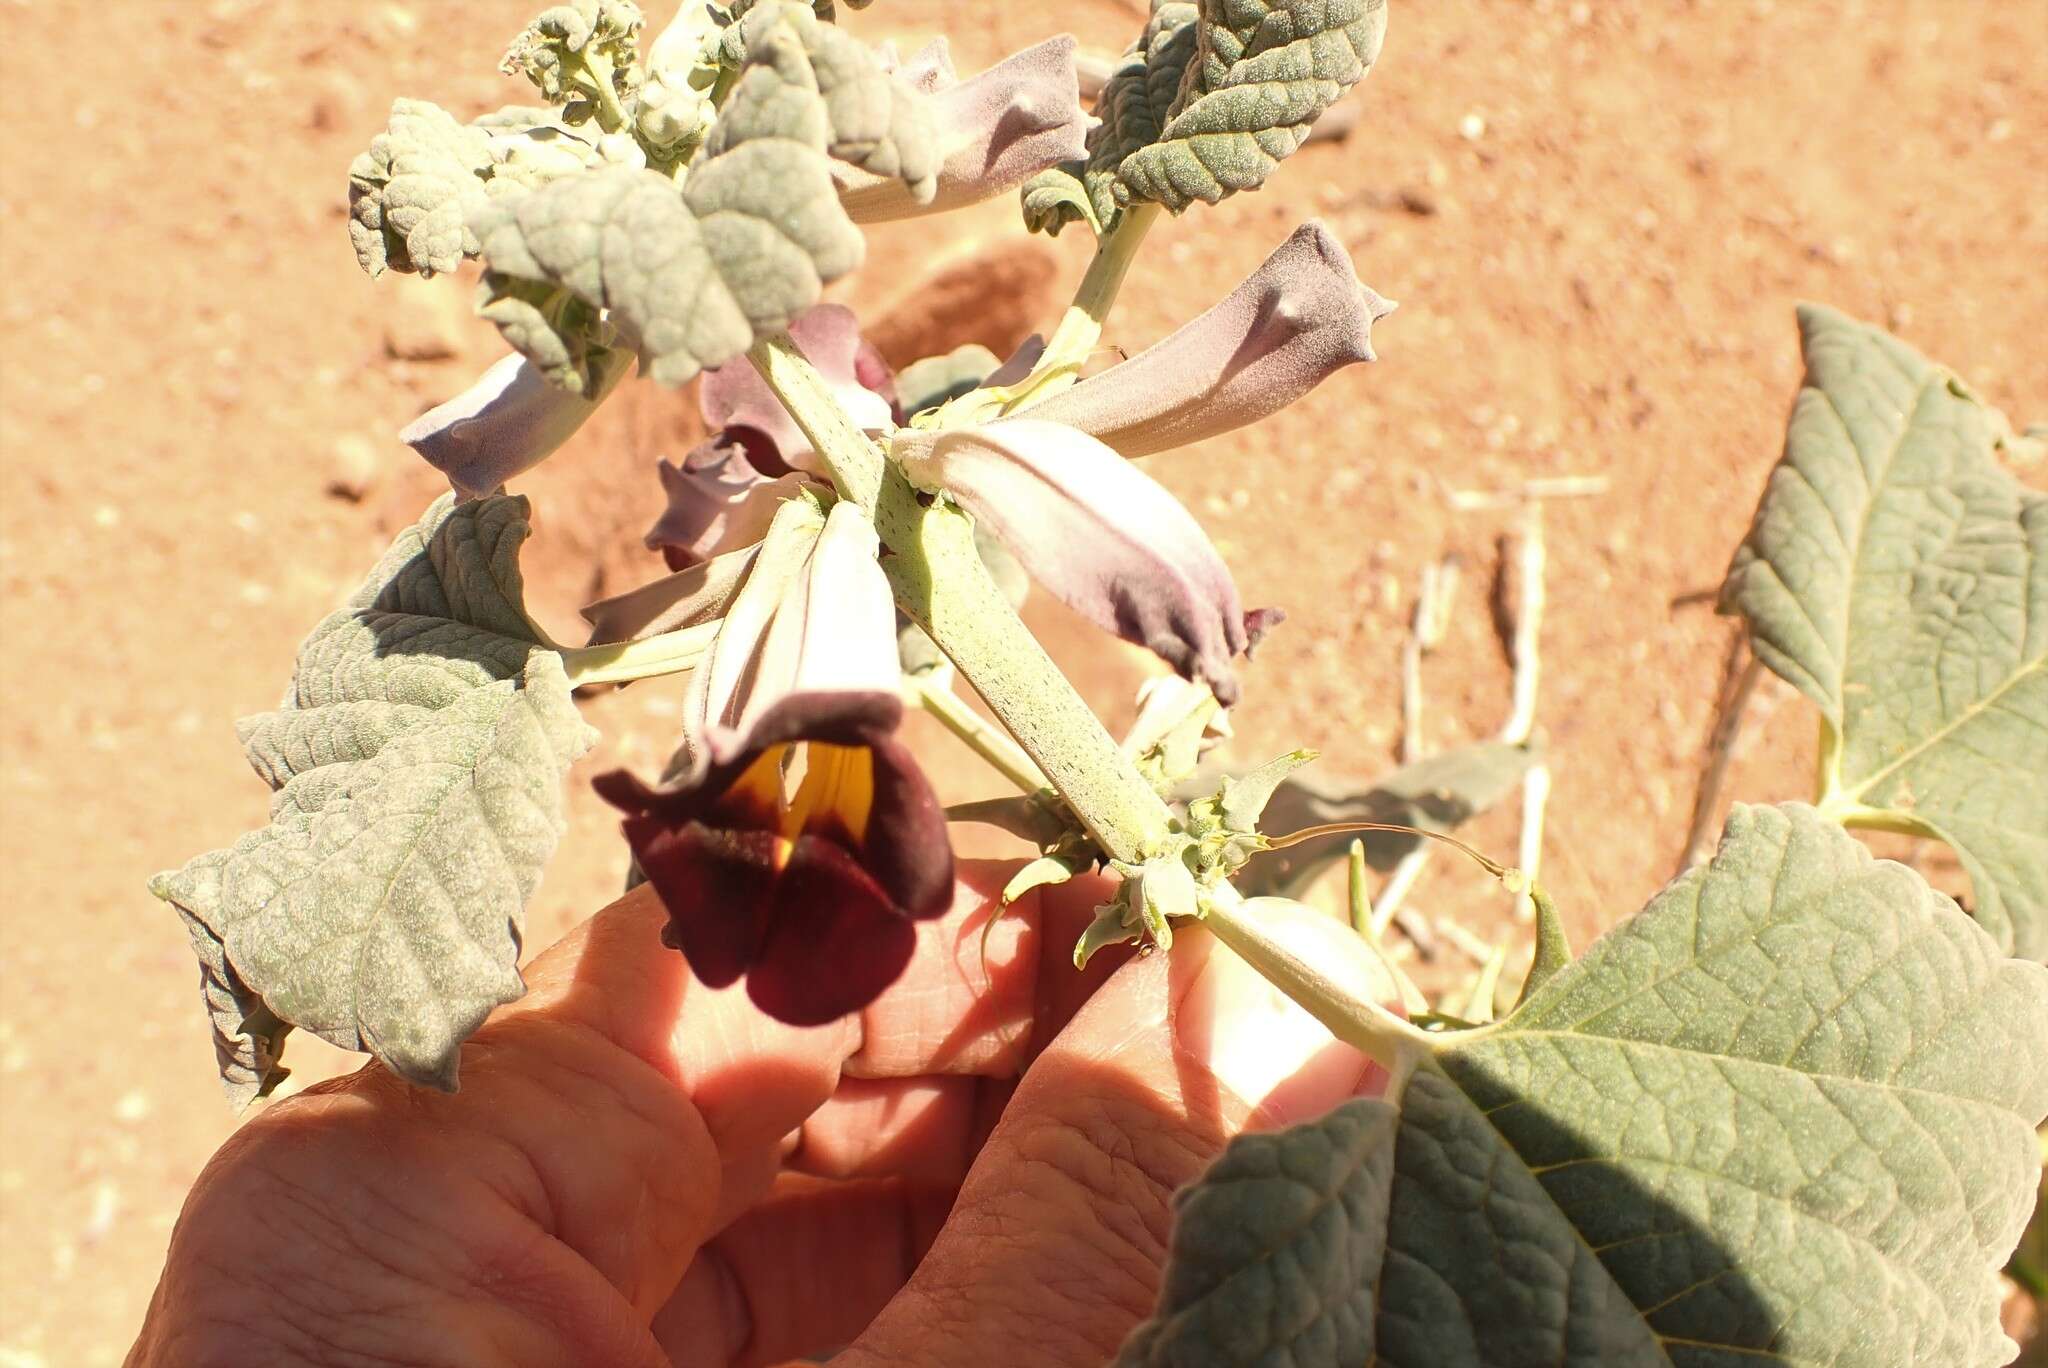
<point>1080,328</point>
<point>611,115</point>
<point>669,653</point>
<point>1386,1039</point>
<point>986,741</point>
<point>942,584</point>
<point>854,462</point>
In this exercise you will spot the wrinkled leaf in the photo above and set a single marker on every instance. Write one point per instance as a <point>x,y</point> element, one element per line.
<point>418,762</point>
<point>1784,1115</point>
<point>406,194</point>
<point>1899,577</point>
<point>689,277</point>
<point>1132,108</point>
<point>874,121</point>
<point>1437,793</point>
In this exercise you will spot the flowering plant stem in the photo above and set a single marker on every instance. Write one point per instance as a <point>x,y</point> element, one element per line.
<point>669,653</point>
<point>989,742</point>
<point>1080,328</point>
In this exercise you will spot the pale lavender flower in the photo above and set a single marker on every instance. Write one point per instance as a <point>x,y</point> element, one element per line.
<point>506,423</point>
<point>1002,127</point>
<point>734,398</point>
<point>717,501</point>
<point>1299,318</point>
<point>1096,532</point>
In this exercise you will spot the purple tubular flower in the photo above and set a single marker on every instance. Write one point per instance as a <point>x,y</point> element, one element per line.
<point>1098,533</point>
<point>1297,319</point>
<point>1004,126</point>
<point>506,423</point>
<point>735,400</point>
<point>717,502</point>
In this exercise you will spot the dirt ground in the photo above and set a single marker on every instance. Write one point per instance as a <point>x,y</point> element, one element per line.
<point>1596,216</point>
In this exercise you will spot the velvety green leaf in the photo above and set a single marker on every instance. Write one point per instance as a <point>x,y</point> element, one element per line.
<point>1132,109</point>
<point>570,48</point>
<point>932,381</point>
<point>418,762</point>
<point>1899,577</point>
<point>1436,793</point>
<point>689,276</point>
<point>873,120</point>
<point>1263,72</point>
<point>406,194</point>
<point>1783,1115</point>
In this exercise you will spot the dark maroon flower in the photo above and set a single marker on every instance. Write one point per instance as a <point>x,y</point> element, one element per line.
<point>811,894</point>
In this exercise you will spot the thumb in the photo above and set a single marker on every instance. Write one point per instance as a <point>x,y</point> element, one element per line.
<point>1054,1248</point>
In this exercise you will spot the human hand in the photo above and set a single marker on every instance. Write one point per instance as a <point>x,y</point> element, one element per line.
<point>641,1171</point>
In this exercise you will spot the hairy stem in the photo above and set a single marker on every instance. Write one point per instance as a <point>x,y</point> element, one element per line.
<point>669,653</point>
<point>1080,328</point>
<point>611,115</point>
<point>986,741</point>
<point>941,583</point>
<point>854,462</point>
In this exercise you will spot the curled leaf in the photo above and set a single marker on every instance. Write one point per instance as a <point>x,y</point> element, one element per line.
<point>406,193</point>
<point>1263,71</point>
<point>1299,318</point>
<point>418,761</point>
<point>1096,532</point>
<point>573,51</point>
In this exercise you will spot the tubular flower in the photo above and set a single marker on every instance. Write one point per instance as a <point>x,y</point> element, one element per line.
<point>810,893</point>
<point>1299,318</point>
<point>1001,128</point>
<point>1099,534</point>
<point>507,423</point>
<point>725,491</point>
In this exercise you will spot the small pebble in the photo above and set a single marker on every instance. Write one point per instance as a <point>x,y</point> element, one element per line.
<point>356,467</point>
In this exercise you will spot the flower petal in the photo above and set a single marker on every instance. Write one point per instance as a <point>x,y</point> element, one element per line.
<point>717,501</point>
<point>696,594</point>
<point>1296,320</point>
<point>735,395</point>
<point>1098,533</point>
<point>506,423</point>
<point>715,697</point>
<point>1002,127</point>
<point>720,889</point>
<point>834,940</point>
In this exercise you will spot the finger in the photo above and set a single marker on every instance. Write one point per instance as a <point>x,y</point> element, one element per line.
<point>929,1128</point>
<point>984,981</point>
<point>1069,1200</point>
<point>741,1303</point>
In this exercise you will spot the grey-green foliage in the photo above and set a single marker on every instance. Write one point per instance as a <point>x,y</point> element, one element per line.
<point>569,49</point>
<point>689,277</point>
<point>1783,1115</point>
<point>1208,101</point>
<point>1131,111</point>
<point>1899,577</point>
<point>411,194</point>
<point>873,120</point>
<point>418,761</point>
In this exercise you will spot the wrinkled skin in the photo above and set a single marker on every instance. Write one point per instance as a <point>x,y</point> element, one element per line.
<point>641,1171</point>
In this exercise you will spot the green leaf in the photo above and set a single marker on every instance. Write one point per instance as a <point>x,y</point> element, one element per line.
<point>573,52</point>
<point>406,194</point>
<point>873,120</point>
<point>418,762</point>
<point>689,276</point>
<point>1208,100</point>
<point>1899,577</point>
<point>1436,793</point>
<point>1784,1115</point>
<point>1132,109</point>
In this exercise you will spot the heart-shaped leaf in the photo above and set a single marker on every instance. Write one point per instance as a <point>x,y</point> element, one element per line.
<point>1899,577</point>
<point>1783,1115</point>
<point>418,761</point>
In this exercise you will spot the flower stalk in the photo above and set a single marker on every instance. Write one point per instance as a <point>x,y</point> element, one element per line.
<point>988,742</point>
<point>620,662</point>
<point>1080,328</point>
<point>853,461</point>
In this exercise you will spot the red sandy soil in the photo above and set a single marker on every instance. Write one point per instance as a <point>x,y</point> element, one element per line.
<point>1596,216</point>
